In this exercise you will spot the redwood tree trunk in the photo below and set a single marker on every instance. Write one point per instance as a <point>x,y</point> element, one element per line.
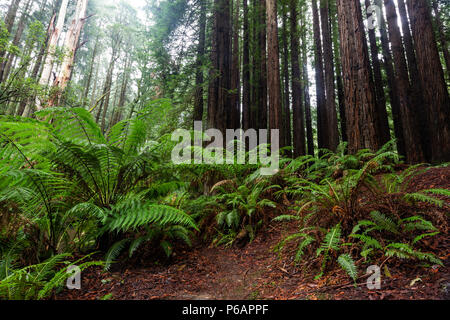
<point>330,95</point>
<point>322,125</point>
<point>382,119</point>
<point>436,98</point>
<point>411,134</point>
<point>298,112</point>
<point>358,85</point>
<point>199,79</point>
<point>246,70</point>
<point>273,77</point>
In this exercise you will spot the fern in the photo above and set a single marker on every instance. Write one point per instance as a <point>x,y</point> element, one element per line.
<point>348,264</point>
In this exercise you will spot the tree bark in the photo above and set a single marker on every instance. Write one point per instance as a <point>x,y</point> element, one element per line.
<point>358,85</point>
<point>273,77</point>
<point>330,95</point>
<point>436,98</point>
<point>382,116</point>
<point>286,97</point>
<point>297,94</point>
<point>442,37</point>
<point>70,48</point>
<point>411,134</point>
<point>234,118</point>
<point>199,79</point>
<point>246,70</point>
<point>393,91</point>
<point>322,123</point>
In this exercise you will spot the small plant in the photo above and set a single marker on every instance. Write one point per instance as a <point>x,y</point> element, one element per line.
<point>37,282</point>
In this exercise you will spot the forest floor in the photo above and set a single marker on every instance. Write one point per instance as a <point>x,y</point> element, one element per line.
<point>256,272</point>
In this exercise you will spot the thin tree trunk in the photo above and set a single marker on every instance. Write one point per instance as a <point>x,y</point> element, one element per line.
<point>286,99</point>
<point>330,95</point>
<point>273,77</point>
<point>246,70</point>
<point>234,118</point>
<point>382,119</point>
<point>297,94</point>
<point>322,123</point>
<point>91,69</point>
<point>199,79</point>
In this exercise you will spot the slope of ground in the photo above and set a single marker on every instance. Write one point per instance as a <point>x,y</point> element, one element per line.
<point>256,272</point>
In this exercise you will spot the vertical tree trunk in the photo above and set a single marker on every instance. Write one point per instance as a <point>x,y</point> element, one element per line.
<point>262,98</point>
<point>273,77</point>
<point>322,126</point>
<point>91,69</point>
<point>417,92</point>
<point>382,116</point>
<point>234,118</point>
<point>9,24</point>
<point>70,47</point>
<point>442,37</point>
<point>436,98</point>
<point>286,97</point>
<point>337,62</point>
<point>305,83</point>
<point>411,134</point>
<point>358,85</point>
<point>330,95</point>
<point>6,67</point>
<point>199,79</point>
<point>52,43</point>
<point>221,78</point>
<point>297,94</point>
<point>246,70</point>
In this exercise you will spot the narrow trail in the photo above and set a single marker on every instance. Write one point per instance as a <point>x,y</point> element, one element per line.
<point>256,272</point>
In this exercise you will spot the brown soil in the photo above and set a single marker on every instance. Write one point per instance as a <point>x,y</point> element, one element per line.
<point>256,272</point>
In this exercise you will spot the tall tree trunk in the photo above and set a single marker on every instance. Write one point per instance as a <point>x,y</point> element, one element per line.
<point>358,85</point>
<point>199,79</point>
<point>437,101</point>
<point>297,94</point>
<point>393,91</point>
<point>273,77</point>
<point>417,92</point>
<point>411,134</point>
<point>246,70</point>
<point>52,44</point>
<point>322,123</point>
<point>330,95</point>
<point>219,100</point>
<point>263,90</point>
<point>91,69</point>
<point>286,97</point>
<point>234,118</point>
<point>4,72</point>
<point>337,62</point>
<point>9,24</point>
<point>382,116</point>
<point>442,37</point>
<point>70,48</point>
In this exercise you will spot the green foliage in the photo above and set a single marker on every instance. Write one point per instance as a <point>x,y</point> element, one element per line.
<point>39,281</point>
